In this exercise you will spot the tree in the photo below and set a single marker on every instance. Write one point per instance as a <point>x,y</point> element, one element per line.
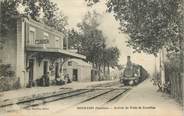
<point>52,16</point>
<point>39,10</point>
<point>111,58</point>
<point>92,43</point>
<point>50,11</point>
<point>92,38</point>
<point>33,9</point>
<point>8,14</point>
<point>91,2</point>
<point>151,24</point>
<point>74,40</point>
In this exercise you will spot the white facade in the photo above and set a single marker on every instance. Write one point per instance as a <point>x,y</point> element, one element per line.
<point>35,50</point>
<point>78,70</point>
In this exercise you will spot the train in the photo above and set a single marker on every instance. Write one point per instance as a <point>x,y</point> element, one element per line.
<point>133,74</point>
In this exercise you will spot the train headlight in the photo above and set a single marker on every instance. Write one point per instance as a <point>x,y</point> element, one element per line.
<point>131,82</point>
<point>136,81</point>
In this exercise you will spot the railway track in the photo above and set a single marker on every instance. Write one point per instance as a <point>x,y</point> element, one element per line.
<point>54,94</point>
<point>42,100</point>
<point>105,85</point>
<point>89,95</point>
<point>99,97</point>
<point>105,97</point>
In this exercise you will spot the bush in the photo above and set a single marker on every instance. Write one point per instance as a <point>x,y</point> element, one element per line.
<point>9,83</point>
<point>5,70</point>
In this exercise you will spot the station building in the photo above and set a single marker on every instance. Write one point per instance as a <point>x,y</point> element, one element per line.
<point>36,49</point>
<point>78,70</point>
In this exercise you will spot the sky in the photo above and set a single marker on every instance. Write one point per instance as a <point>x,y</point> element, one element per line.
<point>75,11</point>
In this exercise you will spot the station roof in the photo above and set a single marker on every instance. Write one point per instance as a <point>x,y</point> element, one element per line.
<point>80,62</point>
<point>54,50</point>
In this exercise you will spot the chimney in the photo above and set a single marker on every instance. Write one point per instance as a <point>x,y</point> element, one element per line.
<point>128,59</point>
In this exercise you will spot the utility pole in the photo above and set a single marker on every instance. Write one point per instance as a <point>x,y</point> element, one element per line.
<point>155,76</point>
<point>182,52</point>
<point>162,67</point>
<point>181,42</point>
<point>182,68</point>
<point>182,65</point>
<point>103,50</point>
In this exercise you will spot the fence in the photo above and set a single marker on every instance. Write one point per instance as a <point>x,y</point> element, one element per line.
<point>173,75</point>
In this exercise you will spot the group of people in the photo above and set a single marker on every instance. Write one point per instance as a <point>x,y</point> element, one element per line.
<point>45,79</point>
<point>60,80</point>
<point>63,79</point>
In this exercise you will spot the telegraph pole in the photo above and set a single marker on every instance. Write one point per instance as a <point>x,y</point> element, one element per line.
<point>182,52</point>
<point>162,67</point>
<point>182,67</point>
<point>155,76</point>
<point>103,45</point>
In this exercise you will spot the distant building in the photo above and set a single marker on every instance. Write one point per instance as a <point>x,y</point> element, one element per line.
<point>78,70</point>
<point>35,50</point>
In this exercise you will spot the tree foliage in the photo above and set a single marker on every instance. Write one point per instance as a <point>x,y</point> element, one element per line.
<point>111,56</point>
<point>39,10</point>
<point>151,24</point>
<point>74,39</point>
<point>8,14</point>
<point>90,41</point>
<point>91,2</point>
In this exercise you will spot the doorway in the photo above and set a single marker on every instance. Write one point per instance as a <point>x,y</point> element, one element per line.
<point>75,75</point>
<point>45,67</point>
<point>56,70</point>
<point>31,71</point>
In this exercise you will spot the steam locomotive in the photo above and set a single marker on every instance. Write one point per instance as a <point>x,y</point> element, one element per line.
<point>133,73</point>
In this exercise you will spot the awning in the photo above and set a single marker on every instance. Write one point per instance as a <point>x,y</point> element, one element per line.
<point>80,62</point>
<point>54,50</point>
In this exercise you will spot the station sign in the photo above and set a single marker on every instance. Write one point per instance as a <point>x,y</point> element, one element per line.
<point>41,41</point>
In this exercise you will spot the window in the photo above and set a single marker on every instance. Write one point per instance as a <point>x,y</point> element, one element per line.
<point>32,35</point>
<point>1,45</point>
<point>57,42</point>
<point>45,37</point>
<point>70,63</point>
<point>65,43</point>
<point>61,43</point>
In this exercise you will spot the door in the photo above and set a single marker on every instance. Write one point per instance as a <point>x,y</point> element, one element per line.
<point>75,75</point>
<point>31,71</point>
<point>45,67</point>
<point>57,70</point>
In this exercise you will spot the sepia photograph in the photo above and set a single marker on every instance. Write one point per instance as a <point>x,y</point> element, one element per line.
<point>91,57</point>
